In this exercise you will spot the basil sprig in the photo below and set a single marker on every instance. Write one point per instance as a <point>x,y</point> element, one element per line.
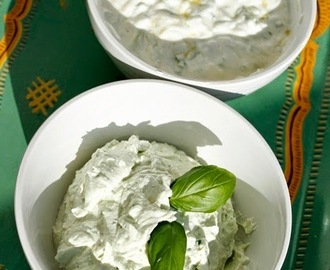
<point>202,189</point>
<point>167,246</point>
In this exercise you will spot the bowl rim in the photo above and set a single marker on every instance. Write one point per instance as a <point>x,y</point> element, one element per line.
<point>116,49</point>
<point>21,226</point>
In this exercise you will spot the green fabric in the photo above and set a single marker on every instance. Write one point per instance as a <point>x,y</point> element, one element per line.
<point>57,46</point>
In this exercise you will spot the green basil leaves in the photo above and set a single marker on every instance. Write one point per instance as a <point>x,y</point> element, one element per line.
<point>167,246</point>
<point>202,189</point>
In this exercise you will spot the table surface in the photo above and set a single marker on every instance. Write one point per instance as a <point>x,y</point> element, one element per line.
<point>49,47</point>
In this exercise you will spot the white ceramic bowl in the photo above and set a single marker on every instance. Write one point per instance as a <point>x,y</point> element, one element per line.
<point>190,119</point>
<point>302,14</point>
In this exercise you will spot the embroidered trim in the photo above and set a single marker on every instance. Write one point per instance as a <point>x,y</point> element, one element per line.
<point>294,157</point>
<point>13,33</point>
<point>12,38</point>
<point>308,206</point>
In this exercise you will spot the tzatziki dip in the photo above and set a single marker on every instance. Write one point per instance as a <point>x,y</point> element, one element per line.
<point>201,39</point>
<point>120,195</point>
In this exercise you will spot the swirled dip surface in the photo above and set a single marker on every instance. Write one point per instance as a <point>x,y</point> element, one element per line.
<point>119,197</point>
<point>201,39</point>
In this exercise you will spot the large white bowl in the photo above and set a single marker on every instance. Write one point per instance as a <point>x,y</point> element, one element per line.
<point>190,119</point>
<point>302,14</point>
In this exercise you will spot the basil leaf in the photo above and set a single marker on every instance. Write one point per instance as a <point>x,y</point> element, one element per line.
<point>202,189</point>
<point>167,246</point>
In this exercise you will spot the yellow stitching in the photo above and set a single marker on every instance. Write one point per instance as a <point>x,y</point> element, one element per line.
<point>280,130</point>
<point>43,95</point>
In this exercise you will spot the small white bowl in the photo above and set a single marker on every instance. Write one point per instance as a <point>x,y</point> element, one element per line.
<point>190,119</point>
<point>302,14</point>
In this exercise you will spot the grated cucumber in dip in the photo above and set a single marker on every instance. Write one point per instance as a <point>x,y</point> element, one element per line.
<point>201,39</point>
<point>118,198</point>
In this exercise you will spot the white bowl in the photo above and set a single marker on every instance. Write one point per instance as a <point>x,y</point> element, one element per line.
<point>302,14</point>
<point>190,119</point>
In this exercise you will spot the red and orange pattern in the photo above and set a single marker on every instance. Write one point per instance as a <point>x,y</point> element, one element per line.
<point>294,154</point>
<point>11,38</point>
<point>13,29</point>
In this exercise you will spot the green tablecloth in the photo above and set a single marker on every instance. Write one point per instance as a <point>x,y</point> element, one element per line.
<point>49,54</point>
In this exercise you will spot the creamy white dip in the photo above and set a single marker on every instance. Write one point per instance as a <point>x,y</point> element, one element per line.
<point>119,197</point>
<point>201,39</point>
